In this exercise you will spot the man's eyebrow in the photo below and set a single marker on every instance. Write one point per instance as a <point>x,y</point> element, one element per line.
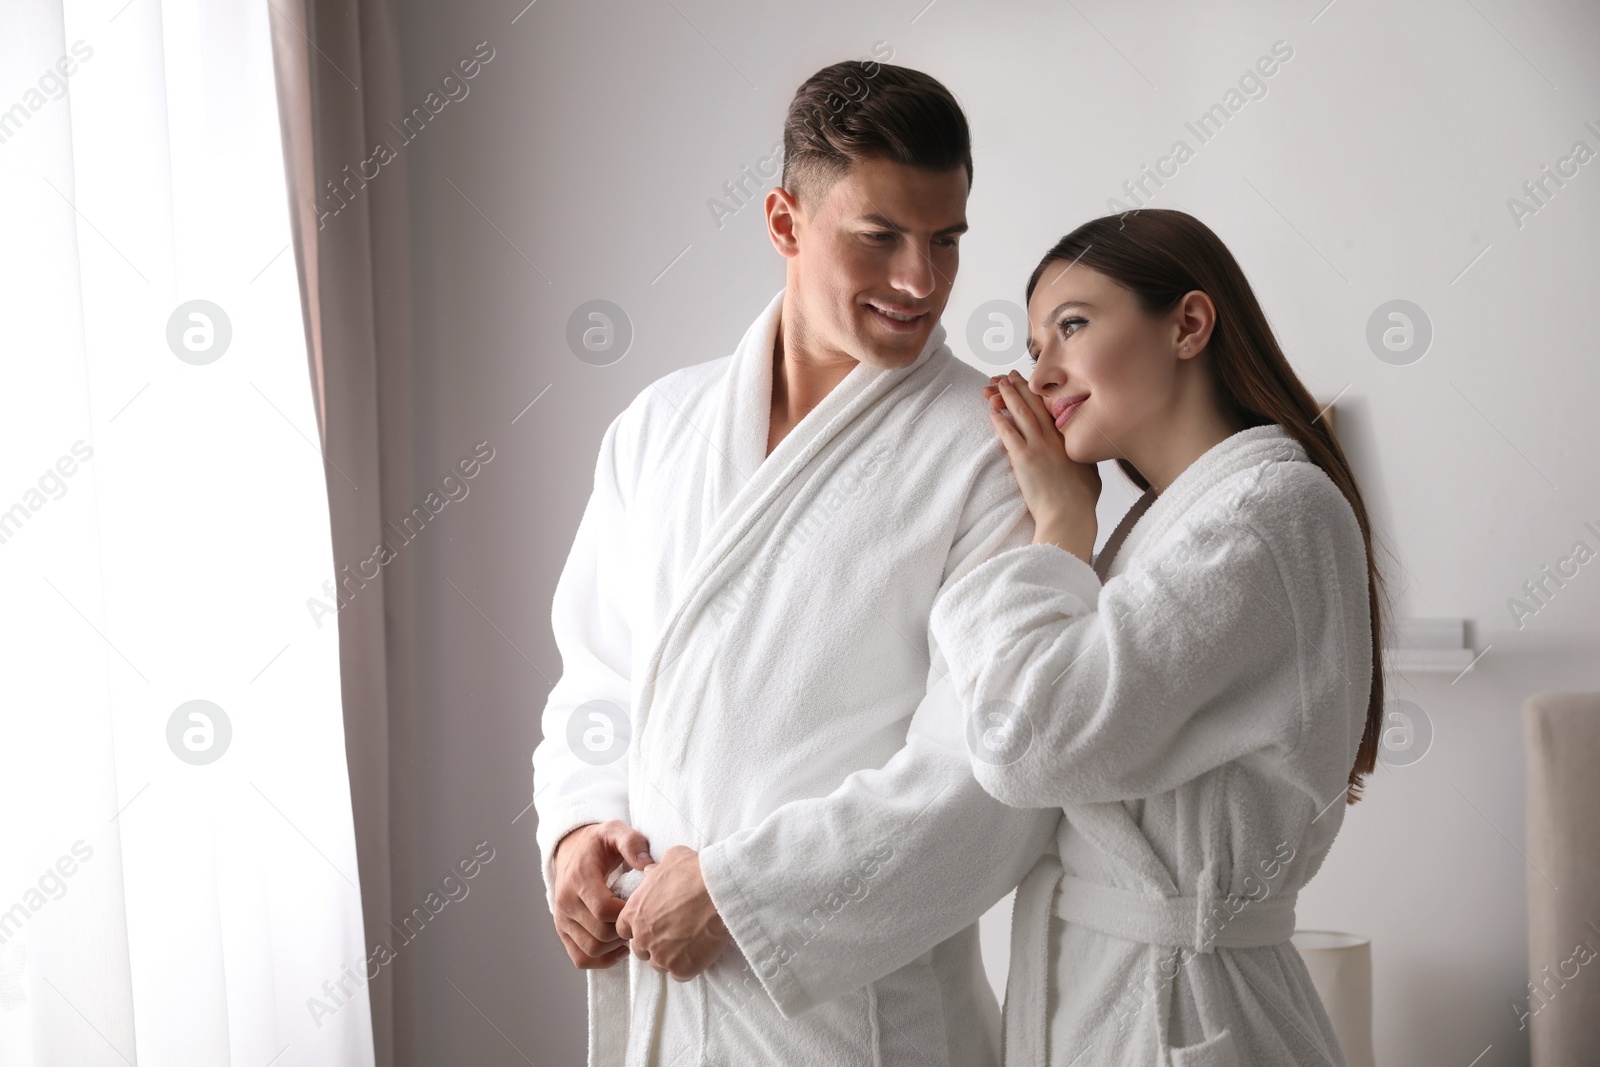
<point>877,219</point>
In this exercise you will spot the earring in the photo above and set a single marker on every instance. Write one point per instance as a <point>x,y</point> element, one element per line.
<point>1186,348</point>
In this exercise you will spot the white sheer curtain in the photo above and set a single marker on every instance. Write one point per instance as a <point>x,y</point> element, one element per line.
<point>177,879</point>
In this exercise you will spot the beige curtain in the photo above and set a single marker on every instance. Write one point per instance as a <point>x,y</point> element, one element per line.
<point>338,78</point>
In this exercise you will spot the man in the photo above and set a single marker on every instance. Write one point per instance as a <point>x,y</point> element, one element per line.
<point>744,617</point>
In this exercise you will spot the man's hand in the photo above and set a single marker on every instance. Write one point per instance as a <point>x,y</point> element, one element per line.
<point>585,908</point>
<point>670,919</point>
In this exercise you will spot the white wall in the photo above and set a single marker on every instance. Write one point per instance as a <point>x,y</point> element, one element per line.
<point>1378,166</point>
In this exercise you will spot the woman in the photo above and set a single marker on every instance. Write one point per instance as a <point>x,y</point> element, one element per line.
<point>1199,700</point>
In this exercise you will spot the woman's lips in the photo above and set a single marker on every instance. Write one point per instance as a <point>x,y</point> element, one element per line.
<point>1063,409</point>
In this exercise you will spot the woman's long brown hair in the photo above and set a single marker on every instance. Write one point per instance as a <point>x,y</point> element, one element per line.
<point>1161,255</point>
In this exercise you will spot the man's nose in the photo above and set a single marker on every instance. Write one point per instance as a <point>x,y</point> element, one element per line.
<point>914,273</point>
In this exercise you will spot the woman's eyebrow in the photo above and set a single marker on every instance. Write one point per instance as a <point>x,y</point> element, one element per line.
<point>1059,308</point>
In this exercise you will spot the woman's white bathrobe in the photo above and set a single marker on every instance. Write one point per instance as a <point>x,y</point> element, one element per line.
<point>754,629</point>
<point>1193,703</point>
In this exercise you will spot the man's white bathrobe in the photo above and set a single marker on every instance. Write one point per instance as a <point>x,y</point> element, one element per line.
<point>757,625</point>
<point>1193,703</point>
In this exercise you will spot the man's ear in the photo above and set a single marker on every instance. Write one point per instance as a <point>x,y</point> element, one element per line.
<point>784,216</point>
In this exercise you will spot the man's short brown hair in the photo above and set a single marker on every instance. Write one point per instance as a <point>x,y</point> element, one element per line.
<point>865,110</point>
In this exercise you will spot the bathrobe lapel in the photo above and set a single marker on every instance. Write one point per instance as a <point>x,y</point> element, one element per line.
<point>743,482</point>
<point>1162,511</point>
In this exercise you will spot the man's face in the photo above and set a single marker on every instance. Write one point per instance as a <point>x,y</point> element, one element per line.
<point>871,264</point>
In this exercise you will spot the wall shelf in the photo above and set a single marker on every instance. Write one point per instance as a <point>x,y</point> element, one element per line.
<point>1430,646</point>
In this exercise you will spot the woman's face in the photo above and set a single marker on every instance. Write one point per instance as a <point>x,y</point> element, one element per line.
<point>1107,370</point>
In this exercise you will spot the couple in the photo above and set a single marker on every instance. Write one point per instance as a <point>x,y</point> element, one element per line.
<point>834,614</point>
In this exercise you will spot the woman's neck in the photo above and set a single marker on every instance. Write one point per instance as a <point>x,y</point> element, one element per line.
<point>1180,437</point>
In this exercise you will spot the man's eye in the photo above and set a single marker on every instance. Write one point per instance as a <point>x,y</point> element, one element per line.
<point>884,236</point>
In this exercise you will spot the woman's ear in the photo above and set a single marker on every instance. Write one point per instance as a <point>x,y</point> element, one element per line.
<point>1196,317</point>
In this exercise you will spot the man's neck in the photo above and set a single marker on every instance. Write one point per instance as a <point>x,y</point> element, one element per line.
<point>802,376</point>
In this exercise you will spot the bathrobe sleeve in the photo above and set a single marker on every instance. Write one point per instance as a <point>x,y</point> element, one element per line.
<point>832,892</point>
<point>579,773</point>
<point>1128,689</point>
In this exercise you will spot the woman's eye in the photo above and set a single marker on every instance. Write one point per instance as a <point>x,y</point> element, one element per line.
<point>1033,359</point>
<point>1074,321</point>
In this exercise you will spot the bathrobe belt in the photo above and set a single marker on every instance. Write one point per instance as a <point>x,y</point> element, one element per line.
<point>1198,923</point>
<point>625,1002</point>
